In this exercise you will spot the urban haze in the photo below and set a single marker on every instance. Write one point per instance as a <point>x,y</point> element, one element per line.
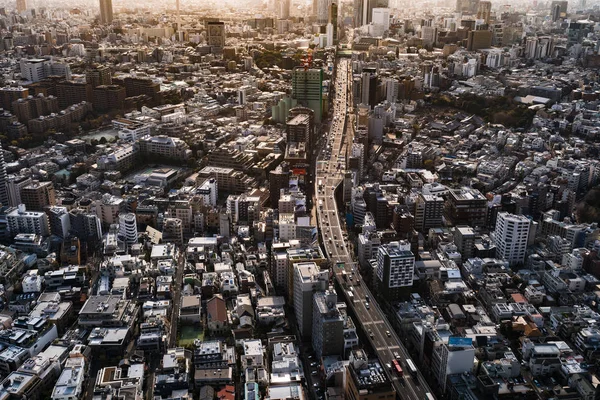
<point>299,200</point>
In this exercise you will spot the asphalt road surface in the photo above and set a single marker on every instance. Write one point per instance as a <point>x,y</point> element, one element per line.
<point>330,166</point>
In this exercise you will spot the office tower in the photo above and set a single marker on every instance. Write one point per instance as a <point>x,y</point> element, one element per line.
<point>215,34</point>
<point>395,269</point>
<point>284,9</point>
<point>510,237</point>
<point>100,75</point>
<point>429,35</point>
<point>308,279</point>
<point>360,10</point>
<point>454,357</point>
<point>323,11</point>
<point>178,14</point>
<point>558,9</point>
<point>22,221</point>
<point>478,40</point>
<point>21,6</point>
<point>307,89</point>
<point>466,206</point>
<point>106,12</point>
<point>333,20</point>
<point>381,16</point>
<point>4,198</point>
<point>38,195</point>
<point>328,325</point>
<point>371,5</point>
<point>484,11</point>
<point>429,210</point>
<point>467,6</point>
<point>369,87</point>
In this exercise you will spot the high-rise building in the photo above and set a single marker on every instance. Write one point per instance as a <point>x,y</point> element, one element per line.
<point>106,12</point>
<point>21,6</point>
<point>510,237</point>
<point>38,195</point>
<point>360,12</point>
<point>429,210</point>
<point>369,86</point>
<point>60,223</point>
<point>36,69</point>
<point>467,6</point>
<point>333,20</point>
<point>328,324</point>
<point>284,9</point>
<point>14,186</point>
<point>395,268</point>
<point>484,11</point>
<point>85,225</point>
<point>308,279</point>
<point>98,76</point>
<point>464,239</point>
<point>477,40</point>
<point>22,221</point>
<point>4,199</point>
<point>371,5</point>
<point>466,206</point>
<point>453,357</point>
<point>128,228</point>
<point>558,9</point>
<point>71,92</point>
<point>307,89</point>
<point>381,16</point>
<point>279,179</point>
<point>173,231</point>
<point>215,34</point>
<point>323,11</point>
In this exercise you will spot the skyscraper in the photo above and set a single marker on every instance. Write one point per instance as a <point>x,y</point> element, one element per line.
<point>558,9</point>
<point>216,33</point>
<point>284,9</point>
<point>21,6</point>
<point>333,20</point>
<point>106,12</point>
<point>510,237</point>
<point>360,12</point>
<point>395,268</point>
<point>323,11</point>
<point>3,180</point>
<point>484,11</point>
<point>307,89</point>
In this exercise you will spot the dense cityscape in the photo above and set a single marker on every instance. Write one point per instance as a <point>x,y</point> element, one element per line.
<point>299,199</point>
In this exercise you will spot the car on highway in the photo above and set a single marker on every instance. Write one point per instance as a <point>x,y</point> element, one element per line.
<point>388,333</point>
<point>396,355</point>
<point>367,306</point>
<point>371,334</point>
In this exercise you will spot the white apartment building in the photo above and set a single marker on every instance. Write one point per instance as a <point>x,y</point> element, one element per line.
<point>22,221</point>
<point>510,237</point>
